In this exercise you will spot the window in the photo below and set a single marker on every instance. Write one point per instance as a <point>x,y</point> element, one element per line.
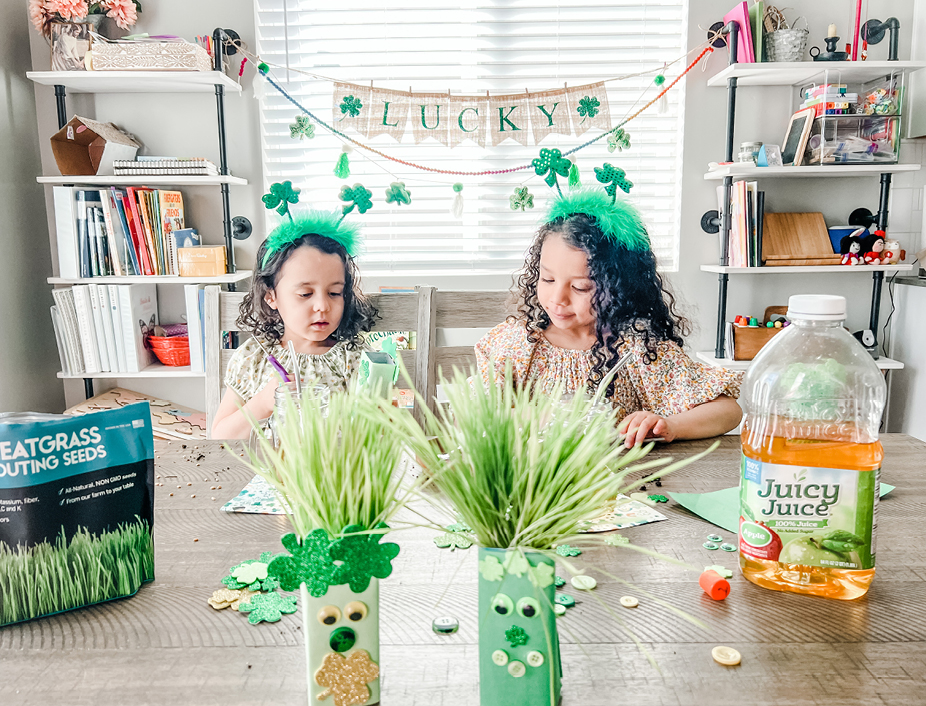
<point>499,46</point>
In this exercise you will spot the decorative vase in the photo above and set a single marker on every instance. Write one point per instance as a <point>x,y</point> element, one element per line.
<point>519,659</point>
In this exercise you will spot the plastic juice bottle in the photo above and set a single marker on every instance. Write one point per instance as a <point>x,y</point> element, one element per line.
<point>809,481</point>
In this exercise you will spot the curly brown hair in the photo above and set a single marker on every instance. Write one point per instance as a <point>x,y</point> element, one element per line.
<point>630,297</point>
<point>258,318</point>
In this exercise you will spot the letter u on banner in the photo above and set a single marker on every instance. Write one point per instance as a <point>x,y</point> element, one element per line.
<point>588,108</point>
<point>549,113</point>
<point>509,118</point>
<point>430,117</point>
<point>350,107</point>
<point>388,113</point>
<point>467,119</point>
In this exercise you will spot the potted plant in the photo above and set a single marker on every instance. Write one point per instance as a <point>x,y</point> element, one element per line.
<point>45,13</point>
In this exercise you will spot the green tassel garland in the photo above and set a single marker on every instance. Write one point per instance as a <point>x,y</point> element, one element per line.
<point>342,169</point>
<point>574,176</point>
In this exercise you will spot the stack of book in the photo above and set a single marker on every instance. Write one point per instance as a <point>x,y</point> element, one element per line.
<point>164,166</point>
<point>113,231</point>
<point>746,220</point>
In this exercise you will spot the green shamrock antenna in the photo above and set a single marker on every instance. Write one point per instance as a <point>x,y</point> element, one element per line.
<point>398,194</point>
<point>619,140</point>
<point>327,224</point>
<point>612,177</point>
<point>521,198</point>
<point>588,108</point>
<point>617,220</point>
<point>355,197</point>
<point>280,196</point>
<point>552,163</point>
<point>302,128</point>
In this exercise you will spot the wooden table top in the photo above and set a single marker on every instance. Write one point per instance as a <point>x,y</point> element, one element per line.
<point>167,646</point>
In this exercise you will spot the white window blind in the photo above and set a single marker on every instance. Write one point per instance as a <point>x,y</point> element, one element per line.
<point>499,46</point>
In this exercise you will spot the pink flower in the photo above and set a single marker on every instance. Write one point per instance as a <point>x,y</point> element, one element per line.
<point>40,15</point>
<point>69,9</point>
<point>122,11</point>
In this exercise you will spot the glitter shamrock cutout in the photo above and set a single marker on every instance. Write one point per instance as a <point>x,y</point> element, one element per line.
<point>541,575</point>
<point>355,196</point>
<point>552,163</point>
<point>228,598</point>
<point>588,108</point>
<point>453,540</point>
<point>613,177</point>
<point>267,607</point>
<point>618,140</point>
<point>347,677</point>
<point>566,550</point>
<point>363,556</point>
<point>302,128</point>
<point>459,527</point>
<point>398,194</point>
<point>515,563</point>
<point>281,195</point>
<point>350,107</point>
<point>616,540</point>
<point>659,498</point>
<point>310,563</point>
<point>233,582</point>
<point>516,636</point>
<point>521,198</point>
<point>249,573</point>
<point>559,581</point>
<point>491,569</point>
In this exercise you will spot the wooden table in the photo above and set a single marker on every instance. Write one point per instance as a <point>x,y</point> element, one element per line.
<point>167,646</point>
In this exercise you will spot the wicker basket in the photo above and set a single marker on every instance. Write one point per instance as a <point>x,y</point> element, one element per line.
<point>171,350</point>
<point>786,44</point>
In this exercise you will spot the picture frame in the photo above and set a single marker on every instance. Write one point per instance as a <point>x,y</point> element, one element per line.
<point>795,142</point>
<point>70,42</point>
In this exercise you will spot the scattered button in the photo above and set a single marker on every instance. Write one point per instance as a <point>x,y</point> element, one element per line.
<point>559,581</point>
<point>714,538</point>
<point>726,656</point>
<point>710,545</point>
<point>584,583</point>
<point>535,659</point>
<point>500,657</point>
<point>629,602</point>
<point>445,625</point>
<point>516,669</point>
<point>559,609</point>
<point>565,599</point>
<point>727,547</point>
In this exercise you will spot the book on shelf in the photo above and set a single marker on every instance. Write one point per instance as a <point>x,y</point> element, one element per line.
<point>170,207</point>
<point>109,333</point>
<point>194,327</point>
<point>86,329</point>
<point>116,318</point>
<point>165,166</point>
<point>138,306</point>
<point>100,336</point>
<point>744,248</point>
<point>169,171</point>
<point>66,365</point>
<point>67,318</point>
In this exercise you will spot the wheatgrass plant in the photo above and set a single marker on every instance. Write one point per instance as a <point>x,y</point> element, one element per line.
<point>50,578</point>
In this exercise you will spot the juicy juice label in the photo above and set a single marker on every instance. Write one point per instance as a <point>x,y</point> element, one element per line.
<point>808,516</point>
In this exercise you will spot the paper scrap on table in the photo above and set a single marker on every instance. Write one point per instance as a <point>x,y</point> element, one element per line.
<point>624,513</point>
<point>722,507</point>
<point>257,498</point>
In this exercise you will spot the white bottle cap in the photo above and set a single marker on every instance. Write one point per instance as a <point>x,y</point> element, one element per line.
<point>817,307</point>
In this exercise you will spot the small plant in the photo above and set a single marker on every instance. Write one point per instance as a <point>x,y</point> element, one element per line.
<point>43,13</point>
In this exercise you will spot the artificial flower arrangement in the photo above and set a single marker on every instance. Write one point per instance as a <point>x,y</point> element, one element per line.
<point>44,13</point>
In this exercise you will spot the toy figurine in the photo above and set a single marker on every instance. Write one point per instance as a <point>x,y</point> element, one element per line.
<point>873,248</point>
<point>892,253</point>
<point>850,248</point>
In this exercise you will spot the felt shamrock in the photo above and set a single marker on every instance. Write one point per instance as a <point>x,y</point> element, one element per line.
<point>588,108</point>
<point>516,636</point>
<point>452,540</point>
<point>310,563</point>
<point>363,557</point>
<point>613,177</point>
<point>541,575</point>
<point>616,540</point>
<point>280,197</point>
<point>566,550</point>
<point>551,162</point>
<point>232,581</point>
<point>559,581</point>
<point>515,563</point>
<point>350,107</point>
<point>356,196</point>
<point>521,198</point>
<point>302,128</point>
<point>618,140</point>
<point>459,527</point>
<point>491,569</point>
<point>249,573</point>
<point>347,677</point>
<point>398,194</point>
<point>267,607</point>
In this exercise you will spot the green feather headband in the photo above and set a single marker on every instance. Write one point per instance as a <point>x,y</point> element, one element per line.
<point>327,224</point>
<point>619,220</point>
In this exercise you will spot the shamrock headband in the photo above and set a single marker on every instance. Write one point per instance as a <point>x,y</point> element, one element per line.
<point>327,224</point>
<point>618,220</point>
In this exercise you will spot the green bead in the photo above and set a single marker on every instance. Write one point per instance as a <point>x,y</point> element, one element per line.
<point>342,639</point>
<point>263,68</point>
<point>458,187</point>
<point>659,80</point>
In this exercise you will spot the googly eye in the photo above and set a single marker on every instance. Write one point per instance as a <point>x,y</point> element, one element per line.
<point>528,608</point>
<point>355,611</point>
<point>502,604</point>
<point>329,615</point>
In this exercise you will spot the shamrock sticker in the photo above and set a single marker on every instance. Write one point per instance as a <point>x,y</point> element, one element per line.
<point>552,163</point>
<point>347,677</point>
<point>398,194</point>
<point>613,177</point>
<point>267,607</point>
<point>521,198</point>
<point>566,550</point>
<point>302,128</point>
<point>616,540</point>
<point>363,557</point>
<point>491,569</point>
<point>228,598</point>
<point>588,108</point>
<point>659,498</point>
<point>618,140</point>
<point>355,196</point>
<point>452,540</point>
<point>516,636</point>
<point>281,195</point>
<point>249,573</point>
<point>560,581</point>
<point>232,581</point>
<point>350,107</point>
<point>541,575</point>
<point>310,563</point>
<point>515,563</point>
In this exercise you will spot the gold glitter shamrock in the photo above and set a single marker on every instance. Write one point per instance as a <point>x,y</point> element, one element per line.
<point>310,563</point>
<point>541,575</point>
<point>551,162</point>
<point>267,607</point>
<point>588,108</point>
<point>491,569</point>
<point>516,636</point>
<point>280,197</point>
<point>363,557</point>
<point>521,198</point>
<point>302,128</point>
<point>347,677</point>
<point>618,140</point>
<point>356,196</point>
<point>398,194</point>
<point>612,177</point>
<point>566,550</point>
<point>515,563</point>
<point>453,540</point>
<point>350,106</point>
<point>228,598</point>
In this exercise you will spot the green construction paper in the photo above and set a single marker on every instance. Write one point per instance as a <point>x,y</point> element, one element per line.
<point>722,507</point>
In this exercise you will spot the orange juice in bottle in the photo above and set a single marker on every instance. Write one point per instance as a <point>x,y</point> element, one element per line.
<point>813,399</point>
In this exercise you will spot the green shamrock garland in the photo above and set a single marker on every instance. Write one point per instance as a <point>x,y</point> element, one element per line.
<point>613,177</point>
<point>280,196</point>
<point>588,108</point>
<point>267,607</point>
<point>310,563</point>
<point>355,197</point>
<point>521,198</point>
<point>350,107</point>
<point>398,194</point>
<point>619,140</point>
<point>302,128</point>
<point>363,557</point>
<point>552,163</point>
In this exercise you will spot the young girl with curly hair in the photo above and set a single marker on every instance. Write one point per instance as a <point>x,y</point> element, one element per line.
<point>305,291</point>
<point>589,296</point>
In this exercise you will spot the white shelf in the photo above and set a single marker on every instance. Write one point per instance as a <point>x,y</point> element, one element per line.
<point>828,170</point>
<point>709,358</point>
<point>795,73</point>
<point>135,81</point>
<point>155,370</point>
<point>95,180</point>
<point>239,276</point>
<point>805,269</point>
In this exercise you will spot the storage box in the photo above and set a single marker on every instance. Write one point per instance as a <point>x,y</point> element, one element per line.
<point>84,147</point>
<point>747,342</point>
<point>202,261</point>
<point>147,56</point>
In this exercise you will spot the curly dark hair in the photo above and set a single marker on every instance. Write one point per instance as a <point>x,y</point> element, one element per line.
<point>256,316</point>
<point>630,297</point>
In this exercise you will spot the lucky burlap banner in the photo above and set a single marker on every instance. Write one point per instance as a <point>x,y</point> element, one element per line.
<point>525,117</point>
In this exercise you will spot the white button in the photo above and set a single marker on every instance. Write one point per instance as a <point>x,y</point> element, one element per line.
<point>629,602</point>
<point>584,583</point>
<point>726,656</point>
<point>516,669</point>
<point>559,609</point>
<point>535,659</point>
<point>500,657</point>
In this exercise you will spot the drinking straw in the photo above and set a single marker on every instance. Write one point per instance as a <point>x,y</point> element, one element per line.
<point>273,361</point>
<point>296,375</point>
